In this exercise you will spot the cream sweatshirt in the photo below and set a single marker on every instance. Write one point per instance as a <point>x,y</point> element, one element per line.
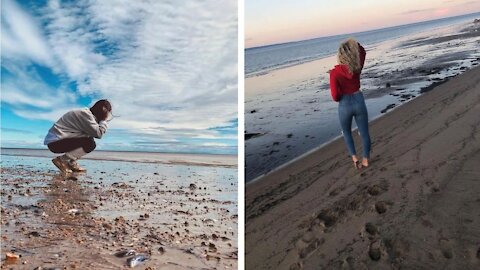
<point>76,124</point>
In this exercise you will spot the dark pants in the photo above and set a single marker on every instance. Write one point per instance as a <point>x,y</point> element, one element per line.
<point>67,145</point>
<point>353,106</point>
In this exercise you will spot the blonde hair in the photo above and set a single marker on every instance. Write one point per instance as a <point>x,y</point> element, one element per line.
<point>349,54</point>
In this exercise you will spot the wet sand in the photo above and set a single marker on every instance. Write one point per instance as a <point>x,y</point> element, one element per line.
<point>182,217</point>
<point>289,111</point>
<point>415,207</point>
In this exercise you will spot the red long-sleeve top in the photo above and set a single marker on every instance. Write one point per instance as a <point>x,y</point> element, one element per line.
<point>342,81</point>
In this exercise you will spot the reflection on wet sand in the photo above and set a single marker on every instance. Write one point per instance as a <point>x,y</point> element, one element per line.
<point>173,217</point>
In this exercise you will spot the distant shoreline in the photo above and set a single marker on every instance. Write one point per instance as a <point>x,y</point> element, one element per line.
<point>262,60</point>
<point>361,32</point>
<point>126,151</point>
<point>208,160</point>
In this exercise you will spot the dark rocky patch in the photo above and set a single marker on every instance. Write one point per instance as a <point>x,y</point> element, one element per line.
<point>389,106</point>
<point>433,85</point>
<point>248,136</point>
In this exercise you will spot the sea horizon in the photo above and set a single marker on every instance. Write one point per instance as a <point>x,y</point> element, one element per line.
<point>189,159</point>
<point>261,60</point>
<point>361,32</point>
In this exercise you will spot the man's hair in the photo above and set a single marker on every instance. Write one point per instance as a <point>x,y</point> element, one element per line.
<point>101,109</point>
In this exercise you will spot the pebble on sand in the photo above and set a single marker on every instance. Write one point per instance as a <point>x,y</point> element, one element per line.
<point>11,256</point>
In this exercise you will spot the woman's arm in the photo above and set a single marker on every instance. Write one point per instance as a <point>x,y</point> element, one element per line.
<point>91,127</point>
<point>334,87</point>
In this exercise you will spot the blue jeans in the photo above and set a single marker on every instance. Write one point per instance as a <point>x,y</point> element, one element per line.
<point>354,106</point>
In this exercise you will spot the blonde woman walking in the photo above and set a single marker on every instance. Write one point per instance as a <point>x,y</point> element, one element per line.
<point>345,89</point>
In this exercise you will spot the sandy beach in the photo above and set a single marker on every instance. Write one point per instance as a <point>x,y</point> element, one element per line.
<point>415,207</point>
<point>179,216</point>
<point>289,111</point>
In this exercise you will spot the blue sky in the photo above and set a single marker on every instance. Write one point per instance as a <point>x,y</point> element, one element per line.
<point>169,68</point>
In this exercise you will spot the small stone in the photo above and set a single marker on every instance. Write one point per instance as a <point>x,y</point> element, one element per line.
<point>120,219</point>
<point>34,234</point>
<point>11,256</point>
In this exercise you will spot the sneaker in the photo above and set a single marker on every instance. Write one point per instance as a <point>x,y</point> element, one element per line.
<point>62,165</point>
<point>75,167</point>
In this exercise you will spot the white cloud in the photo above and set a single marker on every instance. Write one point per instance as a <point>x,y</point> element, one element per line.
<point>30,97</point>
<point>164,65</point>
<point>20,35</point>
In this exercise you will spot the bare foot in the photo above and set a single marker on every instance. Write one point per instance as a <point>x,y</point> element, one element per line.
<point>365,162</point>
<point>356,163</point>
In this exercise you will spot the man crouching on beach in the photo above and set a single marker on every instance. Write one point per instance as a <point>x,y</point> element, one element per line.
<point>73,134</point>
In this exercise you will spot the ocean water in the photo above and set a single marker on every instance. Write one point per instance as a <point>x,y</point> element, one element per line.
<point>260,60</point>
<point>143,157</point>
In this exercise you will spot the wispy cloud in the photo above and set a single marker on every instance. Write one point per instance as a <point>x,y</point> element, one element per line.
<point>168,67</point>
<point>21,35</point>
<point>414,11</point>
<point>14,130</point>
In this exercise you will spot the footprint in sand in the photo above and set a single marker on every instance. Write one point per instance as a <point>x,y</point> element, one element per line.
<point>378,188</point>
<point>334,192</point>
<point>307,244</point>
<point>296,266</point>
<point>397,248</point>
<point>374,251</point>
<point>381,207</point>
<point>328,217</point>
<point>371,229</point>
<point>349,263</point>
<point>446,249</point>
<point>310,248</point>
<point>374,190</point>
